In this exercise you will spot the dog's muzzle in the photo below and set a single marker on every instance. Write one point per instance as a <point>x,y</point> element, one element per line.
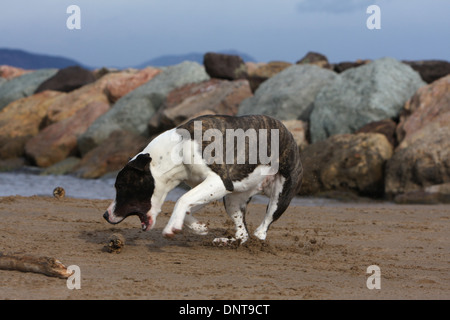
<point>146,222</point>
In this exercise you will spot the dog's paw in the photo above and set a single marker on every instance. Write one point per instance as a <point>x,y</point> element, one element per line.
<point>198,228</point>
<point>260,234</point>
<point>170,233</point>
<point>225,242</point>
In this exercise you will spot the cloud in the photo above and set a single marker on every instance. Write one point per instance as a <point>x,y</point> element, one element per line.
<point>332,6</point>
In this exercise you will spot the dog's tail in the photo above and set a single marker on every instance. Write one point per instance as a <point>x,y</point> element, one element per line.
<point>291,187</point>
<point>292,170</point>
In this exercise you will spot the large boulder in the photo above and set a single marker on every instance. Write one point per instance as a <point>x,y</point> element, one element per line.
<point>426,105</point>
<point>262,72</point>
<point>224,66</point>
<point>430,70</point>
<point>67,79</point>
<point>23,86</point>
<point>129,80</point>
<point>434,194</point>
<point>59,140</point>
<point>345,65</point>
<point>133,111</point>
<point>315,58</point>
<point>346,162</point>
<point>67,104</point>
<point>21,120</point>
<point>10,72</point>
<point>299,131</point>
<point>214,96</point>
<point>110,156</point>
<point>421,160</point>
<point>99,91</point>
<point>358,96</point>
<point>386,127</point>
<point>63,167</point>
<point>289,94</point>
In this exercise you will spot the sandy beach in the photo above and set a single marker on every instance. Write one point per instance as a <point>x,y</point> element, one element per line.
<point>312,252</point>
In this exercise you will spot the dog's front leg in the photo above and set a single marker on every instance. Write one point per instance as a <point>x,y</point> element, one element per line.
<point>212,188</point>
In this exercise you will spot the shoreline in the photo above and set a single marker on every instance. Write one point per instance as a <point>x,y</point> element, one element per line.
<point>26,180</point>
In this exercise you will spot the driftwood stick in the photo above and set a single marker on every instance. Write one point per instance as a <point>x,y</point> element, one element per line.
<point>45,265</point>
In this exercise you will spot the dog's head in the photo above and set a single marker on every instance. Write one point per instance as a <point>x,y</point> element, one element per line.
<point>134,188</point>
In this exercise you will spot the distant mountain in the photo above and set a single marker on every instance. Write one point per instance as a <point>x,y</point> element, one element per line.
<point>168,60</point>
<point>27,60</point>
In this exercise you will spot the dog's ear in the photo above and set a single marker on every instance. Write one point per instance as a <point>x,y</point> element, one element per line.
<point>141,162</point>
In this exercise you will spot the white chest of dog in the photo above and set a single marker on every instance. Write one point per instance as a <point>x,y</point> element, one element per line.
<point>220,157</point>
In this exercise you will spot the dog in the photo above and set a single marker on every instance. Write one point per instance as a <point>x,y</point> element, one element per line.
<point>194,153</point>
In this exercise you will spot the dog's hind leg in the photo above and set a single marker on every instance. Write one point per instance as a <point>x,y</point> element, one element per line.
<point>193,224</point>
<point>277,205</point>
<point>236,207</point>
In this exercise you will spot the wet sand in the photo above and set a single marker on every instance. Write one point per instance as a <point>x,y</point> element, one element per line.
<point>312,252</point>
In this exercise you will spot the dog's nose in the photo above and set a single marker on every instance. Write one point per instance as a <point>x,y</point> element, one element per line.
<point>106,216</point>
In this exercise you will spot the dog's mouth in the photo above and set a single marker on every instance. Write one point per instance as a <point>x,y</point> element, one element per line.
<point>145,221</point>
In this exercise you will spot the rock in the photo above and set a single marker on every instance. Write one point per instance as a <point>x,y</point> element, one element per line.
<point>23,86</point>
<point>9,72</point>
<point>2,81</point>
<point>252,66</point>
<point>117,87</point>
<point>421,160</point>
<point>63,167</point>
<point>43,109</point>
<point>133,111</point>
<point>358,96</point>
<point>265,71</point>
<point>346,162</point>
<point>21,120</point>
<point>112,155</point>
<point>67,79</point>
<point>59,193</point>
<point>116,242</point>
<point>427,104</point>
<point>11,164</point>
<point>69,103</point>
<point>289,94</point>
<point>430,70</point>
<point>430,195</point>
<point>299,130</point>
<point>439,188</point>
<point>59,140</point>
<point>98,73</point>
<point>224,66</point>
<point>214,96</point>
<point>343,66</point>
<point>315,58</point>
<point>12,147</point>
<point>386,127</point>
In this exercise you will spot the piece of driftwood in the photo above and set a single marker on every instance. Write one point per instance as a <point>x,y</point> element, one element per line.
<point>25,263</point>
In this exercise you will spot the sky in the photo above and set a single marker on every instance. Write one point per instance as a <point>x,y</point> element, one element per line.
<point>125,33</point>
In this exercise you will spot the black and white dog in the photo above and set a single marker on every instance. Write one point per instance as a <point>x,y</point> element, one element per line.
<point>218,157</point>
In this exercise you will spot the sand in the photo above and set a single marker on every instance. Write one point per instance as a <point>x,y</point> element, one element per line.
<point>312,252</point>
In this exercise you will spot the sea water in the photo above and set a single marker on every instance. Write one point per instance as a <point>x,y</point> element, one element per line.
<point>31,183</point>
